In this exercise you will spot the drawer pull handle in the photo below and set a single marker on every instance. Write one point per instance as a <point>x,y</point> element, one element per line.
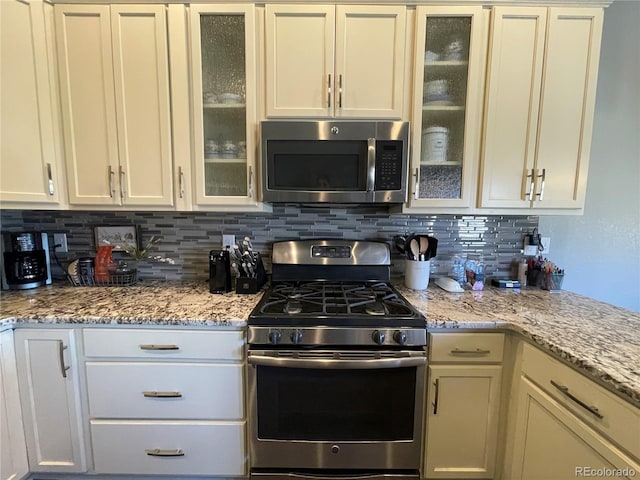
<point>159,347</point>
<point>477,351</point>
<point>436,384</point>
<point>156,452</point>
<point>565,391</point>
<point>162,394</point>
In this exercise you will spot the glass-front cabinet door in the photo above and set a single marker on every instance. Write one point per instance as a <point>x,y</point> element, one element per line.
<point>447,105</point>
<point>224,86</point>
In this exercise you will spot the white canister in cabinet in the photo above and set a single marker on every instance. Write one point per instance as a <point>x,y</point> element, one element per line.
<point>434,144</point>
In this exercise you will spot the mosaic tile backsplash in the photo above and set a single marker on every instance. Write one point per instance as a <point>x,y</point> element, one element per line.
<point>187,237</point>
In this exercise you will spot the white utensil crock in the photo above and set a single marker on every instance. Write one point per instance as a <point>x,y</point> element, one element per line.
<point>416,274</point>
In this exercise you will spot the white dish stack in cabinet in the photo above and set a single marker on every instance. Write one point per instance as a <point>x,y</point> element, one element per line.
<point>114,75</point>
<point>463,405</point>
<point>542,73</point>
<point>328,61</point>
<point>166,402</point>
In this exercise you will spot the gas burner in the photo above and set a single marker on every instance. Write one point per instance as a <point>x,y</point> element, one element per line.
<point>292,307</point>
<point>375,308</point>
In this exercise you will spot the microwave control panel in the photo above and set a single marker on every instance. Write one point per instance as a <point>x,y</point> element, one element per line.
<point>388,165</point>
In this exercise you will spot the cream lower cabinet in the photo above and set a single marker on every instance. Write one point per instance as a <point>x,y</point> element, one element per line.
<point>335,61</point>
<point>13,454</point>
<point>166,402</point>
<point>541,87</point>
<point>48,377</point>
<point>567,427</point>
<point>113,67</point>
<point>29,173</point>
<point>463,405</point>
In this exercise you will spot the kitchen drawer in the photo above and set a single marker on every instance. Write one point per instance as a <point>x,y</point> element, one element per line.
<point>208,448</point>
<point>466,347</point>
<point>164,344</point>
<point>620,420</point>
<point>208,391</point>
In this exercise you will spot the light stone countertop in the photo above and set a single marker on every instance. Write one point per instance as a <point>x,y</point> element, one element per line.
<point>147,303</point>
<point>601,340</point>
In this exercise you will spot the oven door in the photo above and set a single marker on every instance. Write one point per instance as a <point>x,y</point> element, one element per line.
<point>336,410</point>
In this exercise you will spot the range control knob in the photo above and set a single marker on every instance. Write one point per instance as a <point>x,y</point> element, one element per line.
<point>296,336</point>
<point>400,337</point>
<point>274,337</point>
<point>378,337</point>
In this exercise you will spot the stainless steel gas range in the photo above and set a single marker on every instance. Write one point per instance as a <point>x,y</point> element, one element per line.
<point>337,363</point>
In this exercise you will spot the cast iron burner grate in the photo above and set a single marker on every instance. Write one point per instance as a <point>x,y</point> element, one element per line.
<point>334,299</point>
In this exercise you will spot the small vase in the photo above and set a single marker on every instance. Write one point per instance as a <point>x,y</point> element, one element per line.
<point>104,259</point>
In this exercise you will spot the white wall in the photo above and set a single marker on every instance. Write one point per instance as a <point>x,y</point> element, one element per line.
<point>600,251</point>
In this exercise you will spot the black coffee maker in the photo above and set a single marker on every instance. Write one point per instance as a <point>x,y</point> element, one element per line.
<point>25,260</point>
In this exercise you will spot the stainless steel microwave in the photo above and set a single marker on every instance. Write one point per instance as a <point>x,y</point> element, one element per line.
<point>334,161</point>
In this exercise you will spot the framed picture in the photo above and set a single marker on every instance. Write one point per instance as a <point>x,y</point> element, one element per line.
<point>118,236</point>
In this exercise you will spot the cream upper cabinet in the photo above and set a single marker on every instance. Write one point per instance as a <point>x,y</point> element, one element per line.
<point>450,54</point>
<point>542,73</point>
<point>29,170</point>
<point>224,128</point>
<point>113,66</point>
<point>335,61</point>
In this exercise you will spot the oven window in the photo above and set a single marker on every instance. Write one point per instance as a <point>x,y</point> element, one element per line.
<point>335,405</point>
<point>316,165</point>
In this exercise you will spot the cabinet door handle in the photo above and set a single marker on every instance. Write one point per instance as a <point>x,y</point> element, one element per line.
<point>340,91</point>
<point>156,452</point>
<point>329,92</point>
<point>416,190</point>
<point>250,182</point>
<point>159,347</point>
<point>477,351</point>
<point>110,174</point>
<point>181,182</point>
<point>61,348</point>
<point>50,179</point>
<point>122,189</point>
<point>532,176</point>
<point>565,391</point>
<point>149,394</point>
<point>436,384</point>
<point>542,178</point>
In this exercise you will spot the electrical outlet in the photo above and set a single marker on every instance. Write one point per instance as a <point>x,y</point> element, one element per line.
<point>228,241</point>
<point>60,239</point>
<point>546,243</point>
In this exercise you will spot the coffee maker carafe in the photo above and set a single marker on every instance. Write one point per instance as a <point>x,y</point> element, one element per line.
<point>25,260</point>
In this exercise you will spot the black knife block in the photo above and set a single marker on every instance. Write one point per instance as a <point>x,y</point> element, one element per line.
<point>219,271</point>
<point>252,284</point>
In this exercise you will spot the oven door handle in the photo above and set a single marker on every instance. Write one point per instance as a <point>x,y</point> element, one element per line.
<point>325,363</point>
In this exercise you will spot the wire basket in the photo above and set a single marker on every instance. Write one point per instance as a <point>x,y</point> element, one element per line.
<point>114,280</point>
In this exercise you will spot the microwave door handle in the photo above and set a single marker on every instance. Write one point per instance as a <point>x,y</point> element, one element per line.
<point>371,164</point>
